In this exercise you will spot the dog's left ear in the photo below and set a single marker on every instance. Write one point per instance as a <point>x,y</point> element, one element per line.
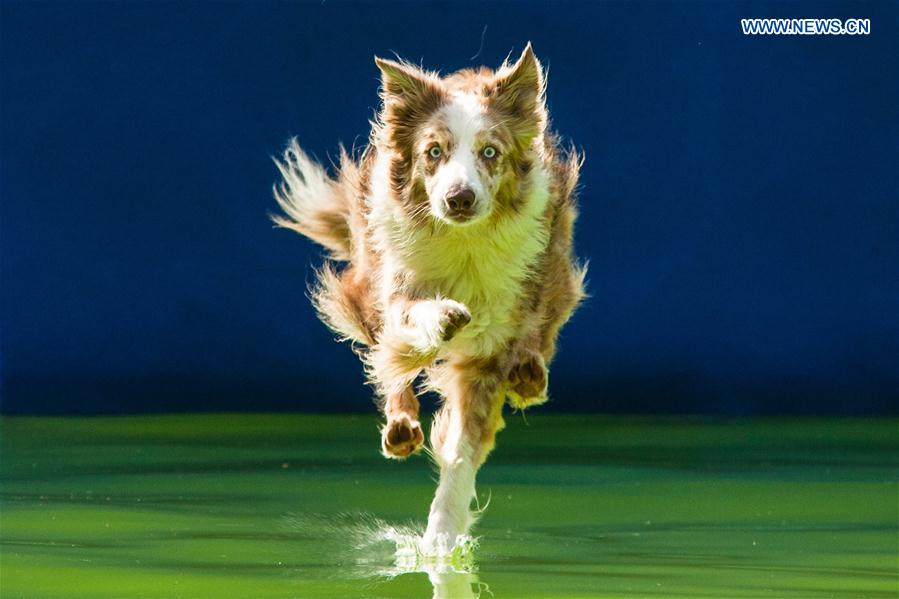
<point>519,88</point>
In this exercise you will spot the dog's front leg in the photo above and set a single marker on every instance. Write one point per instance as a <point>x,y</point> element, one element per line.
<point>413,335</point>
<point>415,330</point>
<point>401,435</point>
<point>461,437</point>
<point>425,325</point>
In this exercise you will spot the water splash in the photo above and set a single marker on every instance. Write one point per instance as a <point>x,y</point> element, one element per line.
<point>373,548</point>
<point>410,554</point>
<point>451,567</point>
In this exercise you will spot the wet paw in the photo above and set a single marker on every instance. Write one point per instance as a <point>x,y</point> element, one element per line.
<point>453,316</point>
<point>401,437</point>
<point>527,381</point>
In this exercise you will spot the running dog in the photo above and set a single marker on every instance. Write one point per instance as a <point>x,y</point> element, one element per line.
<point>450,242</point>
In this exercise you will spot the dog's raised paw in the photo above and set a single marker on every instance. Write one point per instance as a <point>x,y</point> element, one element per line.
<point>528,381</point>
<point>401,437</point>
<point>453,316</point>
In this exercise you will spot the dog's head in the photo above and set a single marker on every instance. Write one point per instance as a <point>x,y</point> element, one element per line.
<point>462,145</point>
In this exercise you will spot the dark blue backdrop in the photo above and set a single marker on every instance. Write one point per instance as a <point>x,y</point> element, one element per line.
<point>739,205</point>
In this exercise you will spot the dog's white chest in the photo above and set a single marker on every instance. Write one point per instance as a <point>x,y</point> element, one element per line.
<point>485,270</point>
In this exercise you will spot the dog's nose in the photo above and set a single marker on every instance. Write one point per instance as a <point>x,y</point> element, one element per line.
<point>459,200</point>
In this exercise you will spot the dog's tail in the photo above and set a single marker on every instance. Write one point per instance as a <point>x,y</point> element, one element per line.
<point>313,203</point>
<point>340,301</point>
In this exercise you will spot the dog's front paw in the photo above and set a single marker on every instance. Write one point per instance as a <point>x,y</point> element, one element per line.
<point>528,380</point>
<point>401,437</point>
<point>434,322</point>
<point>453,316</point>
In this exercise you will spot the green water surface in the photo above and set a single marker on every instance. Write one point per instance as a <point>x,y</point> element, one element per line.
<point>265,506</point>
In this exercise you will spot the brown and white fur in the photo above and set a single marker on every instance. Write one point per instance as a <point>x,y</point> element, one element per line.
<point>454,228</point>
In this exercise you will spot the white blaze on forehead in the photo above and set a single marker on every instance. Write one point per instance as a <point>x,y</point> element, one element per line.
<point>464,118</point>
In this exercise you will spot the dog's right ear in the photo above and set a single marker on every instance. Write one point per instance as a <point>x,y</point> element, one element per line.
<point>410,95</point>
<point>401,79</point>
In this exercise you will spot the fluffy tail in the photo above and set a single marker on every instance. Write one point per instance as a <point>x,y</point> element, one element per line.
<point>340,304</point>
<point>313,204</point>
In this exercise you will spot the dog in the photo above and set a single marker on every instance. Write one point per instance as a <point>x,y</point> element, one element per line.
<point>450,256</point>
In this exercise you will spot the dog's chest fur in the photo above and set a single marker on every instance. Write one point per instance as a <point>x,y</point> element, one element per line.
<point>484,266</point>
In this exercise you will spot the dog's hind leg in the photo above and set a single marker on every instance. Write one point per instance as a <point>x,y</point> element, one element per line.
<point>528,378</point>
<point>401,435</point>
<point>461,437</point>
<point>560,294</point>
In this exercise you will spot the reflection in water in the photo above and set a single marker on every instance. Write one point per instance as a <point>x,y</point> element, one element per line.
<point>456,585</point>
<point>452,571</point>
<point>380,550</point>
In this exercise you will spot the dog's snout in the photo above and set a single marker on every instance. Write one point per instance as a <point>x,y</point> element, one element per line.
<point>459,200</point>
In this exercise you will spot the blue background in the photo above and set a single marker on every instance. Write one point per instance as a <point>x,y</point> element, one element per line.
<point>739,205</point>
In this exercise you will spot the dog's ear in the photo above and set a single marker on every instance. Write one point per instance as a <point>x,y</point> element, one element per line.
<point>410,95</point>
<point>403,79</point>
<point>403,83</point>
<point>518,91</point>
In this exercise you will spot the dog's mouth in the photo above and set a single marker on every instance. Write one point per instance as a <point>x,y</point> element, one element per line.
<point>461,217</point>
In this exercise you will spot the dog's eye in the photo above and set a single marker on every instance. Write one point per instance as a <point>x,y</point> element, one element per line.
<point>434,152</point>
<point>489,152</point>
